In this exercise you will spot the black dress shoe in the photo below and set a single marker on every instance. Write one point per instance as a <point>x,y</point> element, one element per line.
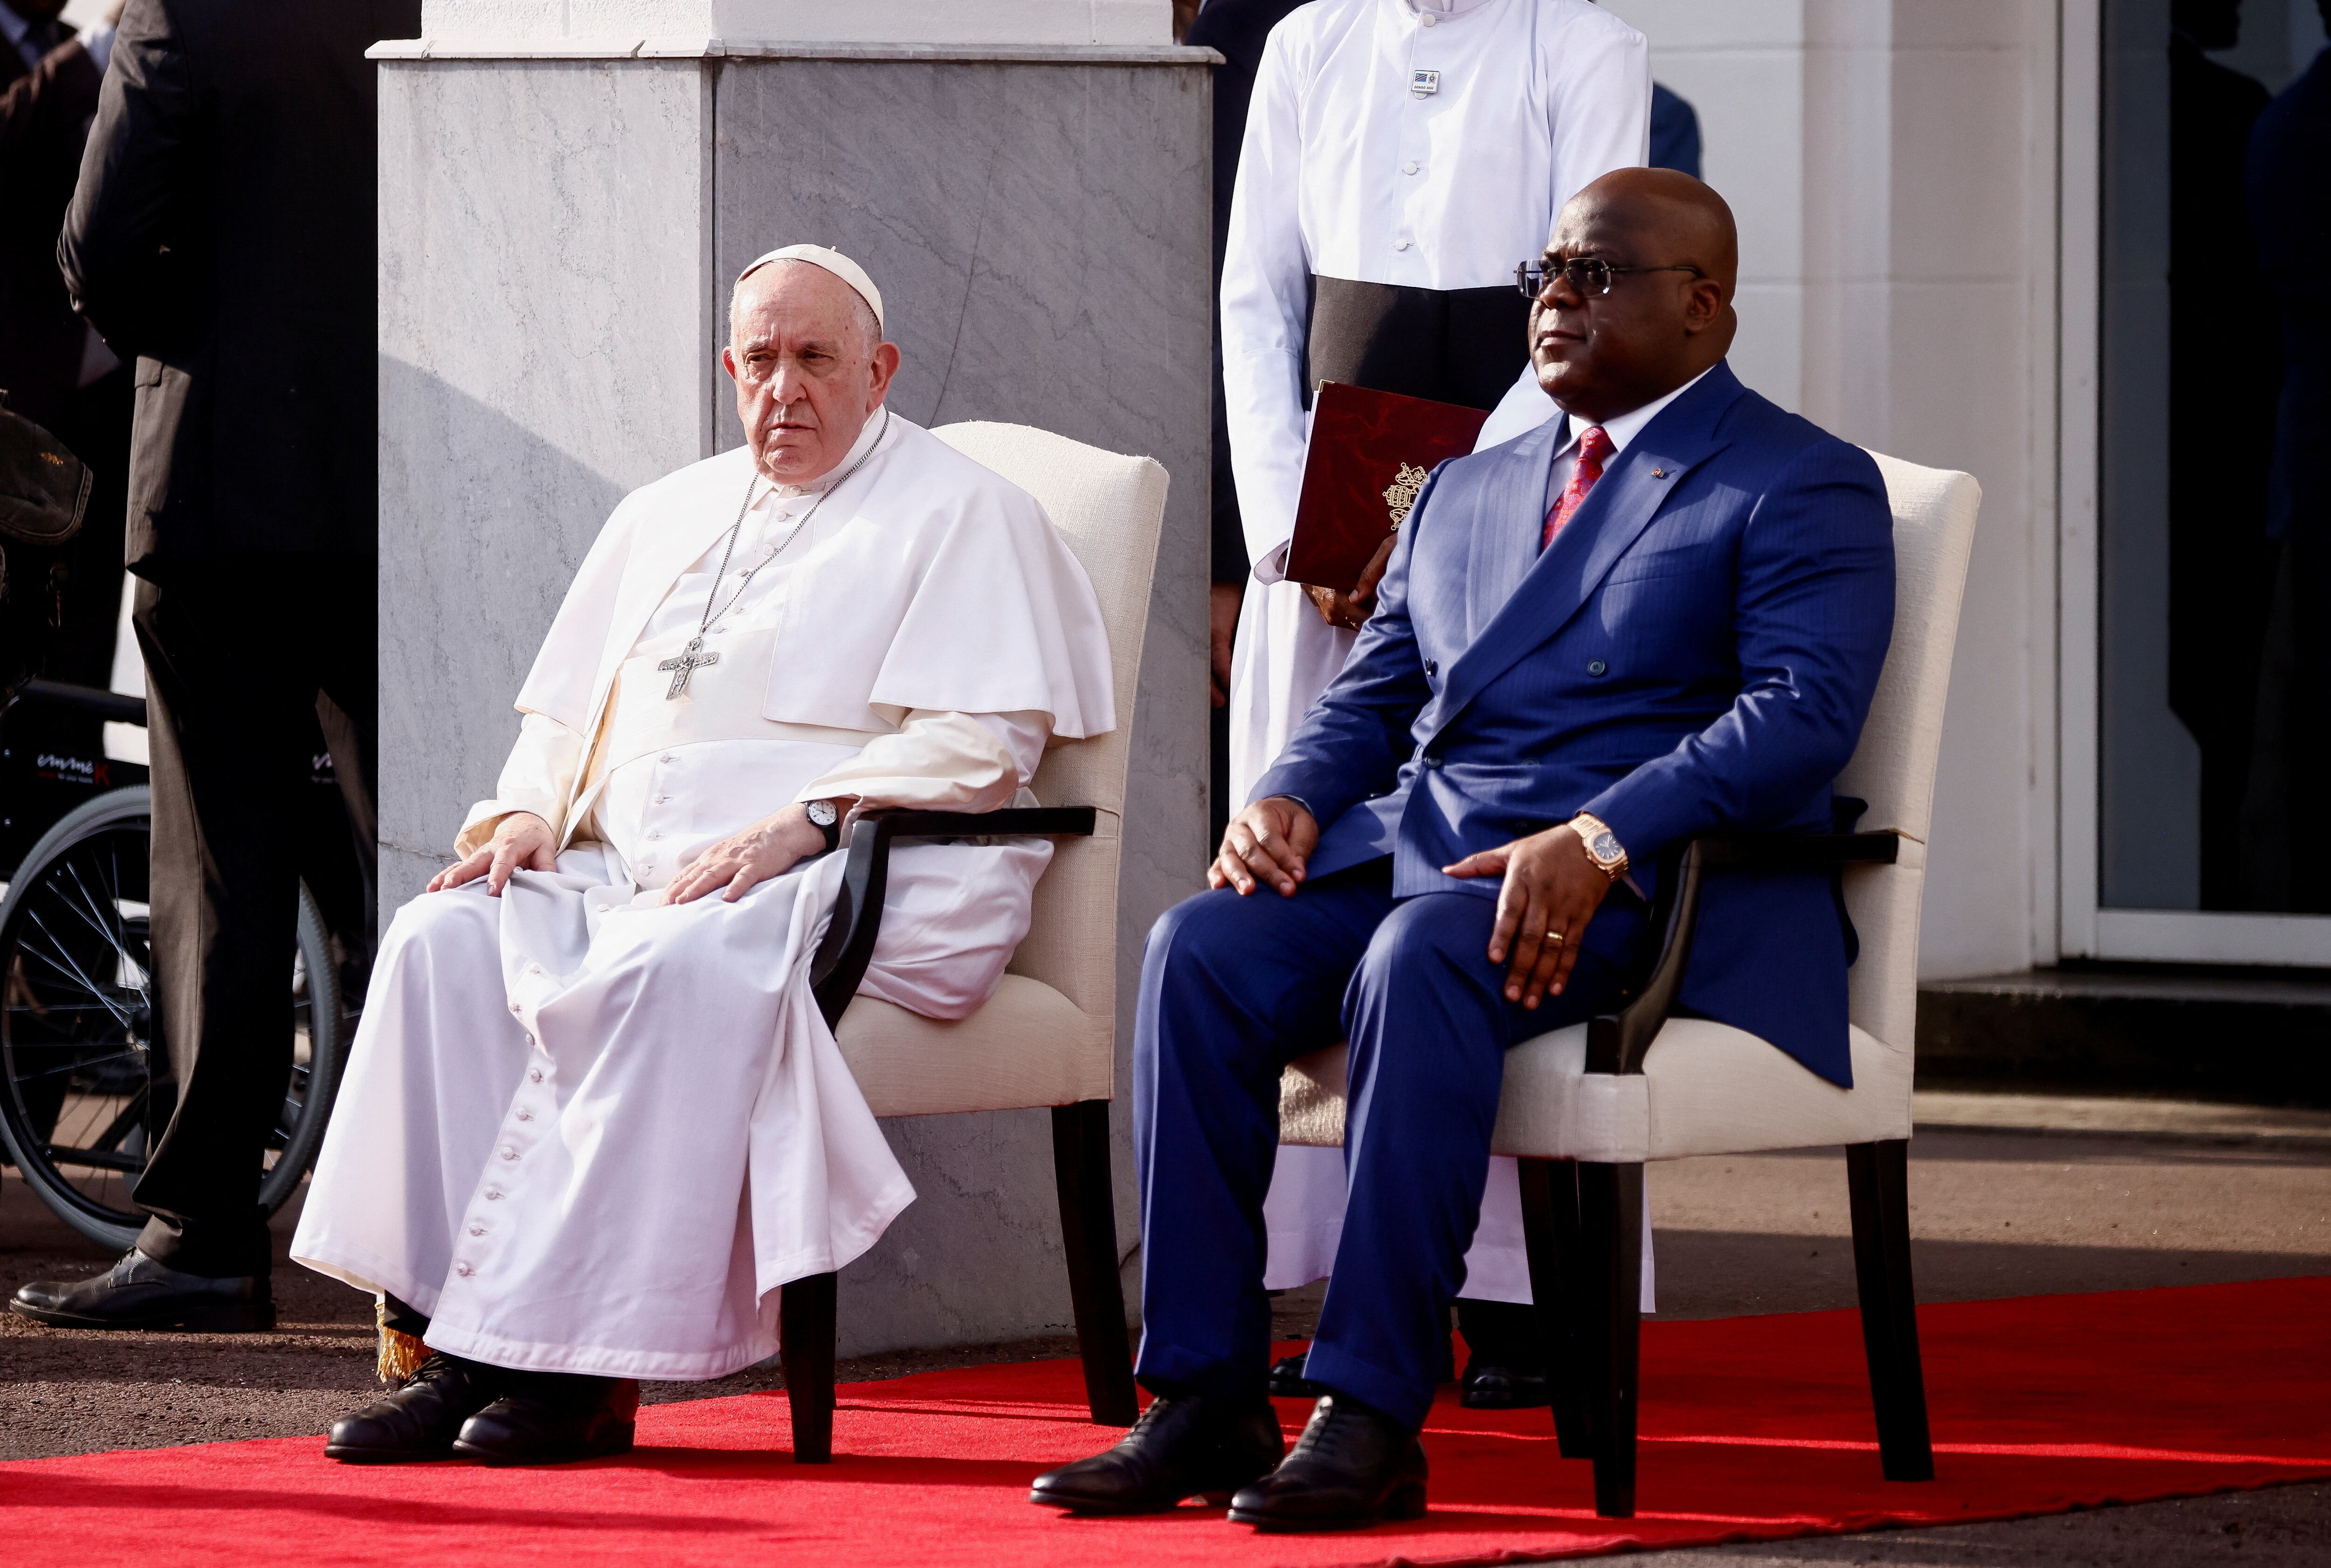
<point>1288,1382</point>
<point>1184,1447</point>
<point>548,1417</point>
<point>419,1421</point>
<point>1489,1387</point>
<point>1353,1467</point>
<point>140,1293</point>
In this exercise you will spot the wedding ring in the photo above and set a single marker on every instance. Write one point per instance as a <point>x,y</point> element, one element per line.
<point>1554,937</point>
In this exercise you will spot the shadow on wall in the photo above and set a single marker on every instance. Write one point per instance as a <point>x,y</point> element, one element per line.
<point>482,524</point>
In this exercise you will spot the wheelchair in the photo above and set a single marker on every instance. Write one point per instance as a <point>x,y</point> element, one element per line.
<point>86,1085</point>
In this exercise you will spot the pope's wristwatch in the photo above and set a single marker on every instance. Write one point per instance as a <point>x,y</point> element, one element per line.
<point>1603,846</point>
<point>825,819</point>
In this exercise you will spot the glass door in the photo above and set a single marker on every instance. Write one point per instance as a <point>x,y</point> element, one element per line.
<point>2214,531</point>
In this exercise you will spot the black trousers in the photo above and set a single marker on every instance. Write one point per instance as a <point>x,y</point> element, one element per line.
<point>243,654</point>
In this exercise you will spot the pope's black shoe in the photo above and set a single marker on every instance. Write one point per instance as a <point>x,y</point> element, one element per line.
<point>419,1421</point>
<point>546,1418</point>
<point>1353,1467</point>
<point>1184,1447</point>
<point>140,1293</point>
<point>1491,1387</point>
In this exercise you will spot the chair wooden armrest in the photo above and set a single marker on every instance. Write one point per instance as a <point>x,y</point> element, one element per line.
<point>1617,1043</point>
<point>840,966</point>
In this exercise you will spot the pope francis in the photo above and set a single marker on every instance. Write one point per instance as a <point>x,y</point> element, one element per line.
<point>594,1121</point>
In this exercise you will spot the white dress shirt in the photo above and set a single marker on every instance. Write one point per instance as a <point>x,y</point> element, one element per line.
<point>1347,172</point>
<point>1621,431</point>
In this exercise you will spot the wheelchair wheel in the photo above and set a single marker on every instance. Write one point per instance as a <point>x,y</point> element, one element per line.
<point>85,1083</point>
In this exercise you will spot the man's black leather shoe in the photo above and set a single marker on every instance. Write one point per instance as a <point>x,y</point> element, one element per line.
<point>546,1418</point>
<point>1288,1382</point>
<point>419,1421</point>
<point>1353,1467</point>
<point>1183,1446</point>
<point>1489,1387</point>
<point>140,1293</point>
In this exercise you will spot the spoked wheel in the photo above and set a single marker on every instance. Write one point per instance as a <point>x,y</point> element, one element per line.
<point>85,1085</point>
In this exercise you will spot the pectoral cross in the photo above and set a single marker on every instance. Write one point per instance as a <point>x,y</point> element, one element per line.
<point>687,663</point>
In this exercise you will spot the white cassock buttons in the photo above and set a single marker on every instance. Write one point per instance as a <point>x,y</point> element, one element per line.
<point>1409,167</point>
<point>525,1115</point>
<point>493,1194</point>
<point>516,1009</point>
<point>477,1230</point>
<point>1428,19</point>
<point>508,1153</point>
<point>1400,244</point>
<point>535,1076</point>
<point>464,1269</point>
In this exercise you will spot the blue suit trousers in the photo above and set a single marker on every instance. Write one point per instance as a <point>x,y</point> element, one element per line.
<point>1234,988</point>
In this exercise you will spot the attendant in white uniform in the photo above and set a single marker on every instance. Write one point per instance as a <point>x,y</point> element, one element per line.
<point>1402,157</point>
<point>594,1120</point>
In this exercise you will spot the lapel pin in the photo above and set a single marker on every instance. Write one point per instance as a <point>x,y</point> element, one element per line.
<point>1659,473</point>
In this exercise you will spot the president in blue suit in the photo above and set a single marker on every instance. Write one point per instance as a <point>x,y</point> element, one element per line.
<point>1660,615</point>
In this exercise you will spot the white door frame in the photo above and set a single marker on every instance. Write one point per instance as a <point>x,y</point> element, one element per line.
<point>2086,929</point>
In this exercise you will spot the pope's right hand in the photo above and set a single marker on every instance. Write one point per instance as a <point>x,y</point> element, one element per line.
<point>1269,841</point>
<point>521,842</point>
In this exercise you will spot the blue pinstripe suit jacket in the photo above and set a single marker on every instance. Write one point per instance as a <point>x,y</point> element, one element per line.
<point>1695,653</point>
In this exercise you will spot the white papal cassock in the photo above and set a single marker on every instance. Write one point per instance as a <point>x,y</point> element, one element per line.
<point>1424,145</point>
<point>586,1131</point>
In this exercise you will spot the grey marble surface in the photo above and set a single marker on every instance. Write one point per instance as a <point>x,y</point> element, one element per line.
<point>543,316</point>
<point>558,239</point>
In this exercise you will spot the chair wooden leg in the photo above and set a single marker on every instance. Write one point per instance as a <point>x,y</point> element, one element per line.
<point>1611,1216</point>
<point>1080,1165</point>
<point>1550,1228</point>
<point>1878,1176</point>
<point>805,1345</point>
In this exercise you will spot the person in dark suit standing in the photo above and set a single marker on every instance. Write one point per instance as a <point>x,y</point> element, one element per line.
<point>223,234</point>
<point>55,369</point>
<point>1659,615</point>
<point>2221,336</point>
<point>1675,132</point>
<point>2288,181</point>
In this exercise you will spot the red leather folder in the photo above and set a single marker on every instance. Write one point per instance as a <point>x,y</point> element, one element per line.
<point>1369,455</point>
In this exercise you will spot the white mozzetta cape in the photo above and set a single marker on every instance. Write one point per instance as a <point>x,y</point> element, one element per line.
<point>938,554</point>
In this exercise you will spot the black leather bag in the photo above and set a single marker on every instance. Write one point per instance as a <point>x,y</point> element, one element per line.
<point>43,491</point>
<point>43,488</point>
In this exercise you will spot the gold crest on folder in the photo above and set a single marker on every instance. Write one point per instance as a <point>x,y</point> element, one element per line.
<point>1401,494</point>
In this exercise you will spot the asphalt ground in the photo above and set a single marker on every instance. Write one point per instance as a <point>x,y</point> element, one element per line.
<point>2009,1197</point>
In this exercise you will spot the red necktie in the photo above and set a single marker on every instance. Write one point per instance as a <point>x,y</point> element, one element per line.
<point>1593,451</point>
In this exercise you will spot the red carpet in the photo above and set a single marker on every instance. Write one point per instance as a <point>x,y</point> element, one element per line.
<point>1755,1428</point>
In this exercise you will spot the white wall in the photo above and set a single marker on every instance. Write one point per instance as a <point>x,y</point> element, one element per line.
<point>1892,166</point>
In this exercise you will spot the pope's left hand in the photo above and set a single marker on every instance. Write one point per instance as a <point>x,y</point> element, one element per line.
<point>1551,889</point>
<point>769,848</point>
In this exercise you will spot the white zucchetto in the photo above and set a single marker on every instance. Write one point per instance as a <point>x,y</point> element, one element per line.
<point>833,262</point>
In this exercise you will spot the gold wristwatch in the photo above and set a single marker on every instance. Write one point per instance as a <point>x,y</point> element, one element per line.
<point>1603,846</point>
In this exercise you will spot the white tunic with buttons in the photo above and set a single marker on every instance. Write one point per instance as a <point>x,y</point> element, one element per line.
<point>1347,172</point>
<point>585,1131</point>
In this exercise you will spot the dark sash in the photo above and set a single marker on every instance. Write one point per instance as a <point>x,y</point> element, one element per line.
<point>1461,345</point>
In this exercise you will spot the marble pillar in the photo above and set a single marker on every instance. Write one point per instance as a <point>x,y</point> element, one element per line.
<point>558,224</point>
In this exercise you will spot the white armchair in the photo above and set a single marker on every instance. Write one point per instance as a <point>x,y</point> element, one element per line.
<point>1585,1106</point>
<point>1047,1037</point>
